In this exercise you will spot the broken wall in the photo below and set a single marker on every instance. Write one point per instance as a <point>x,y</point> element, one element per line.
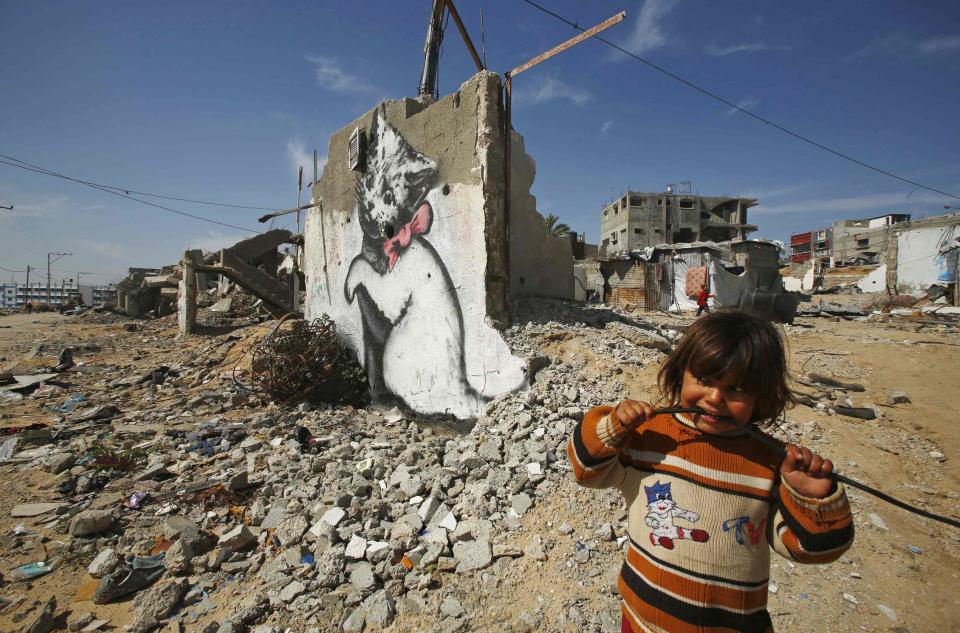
<point>920,264</point>
<point>541,265</point>
<point>408,255</point>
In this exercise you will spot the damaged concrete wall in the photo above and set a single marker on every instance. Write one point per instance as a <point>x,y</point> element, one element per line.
<point>920,262</point>
<point>540,265</point>
<point>407,255</point>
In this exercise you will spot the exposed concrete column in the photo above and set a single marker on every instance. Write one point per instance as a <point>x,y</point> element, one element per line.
<point>187,294</point>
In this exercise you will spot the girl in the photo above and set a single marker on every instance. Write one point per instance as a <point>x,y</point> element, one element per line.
<point>706,500</point>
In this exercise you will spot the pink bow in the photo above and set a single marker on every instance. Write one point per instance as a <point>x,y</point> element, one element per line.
<point>419,224</point>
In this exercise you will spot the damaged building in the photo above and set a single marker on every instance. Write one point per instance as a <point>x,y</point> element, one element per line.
<point>416,250</point>
<point>738,274</point>
<point>640,220</point>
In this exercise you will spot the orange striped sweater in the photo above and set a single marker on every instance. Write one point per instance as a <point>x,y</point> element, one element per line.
<point>703,511</point>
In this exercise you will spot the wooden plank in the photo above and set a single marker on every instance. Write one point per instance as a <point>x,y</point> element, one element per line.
<point>571,42</point>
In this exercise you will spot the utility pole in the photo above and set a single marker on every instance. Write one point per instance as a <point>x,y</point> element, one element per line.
<point>431,61</point>
<point>28,285</point>
<point>49,261</point>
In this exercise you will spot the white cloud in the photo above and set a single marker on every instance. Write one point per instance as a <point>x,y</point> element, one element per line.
<point>300,157</point>
<point>746,47</point>
<point>541,90</point>
<point>45,206</point>
<point>906,47</point>
<point>937,45</point>
<point>216,240</point>
<point>773,192</point>
<point>647,33</point>
<point>107,249</point>
<point>606,127</point>
<point>331,76</point>
<point>870,204</point>
<point>744,104</point>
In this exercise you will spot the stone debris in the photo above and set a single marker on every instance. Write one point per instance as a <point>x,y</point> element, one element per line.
<point>105,562</point>
<point>90,522</point>
<point>156,603</point>
<point>367,513</point>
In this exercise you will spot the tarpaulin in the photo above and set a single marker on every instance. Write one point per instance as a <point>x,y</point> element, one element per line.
<point>726,287</point>
<point>680,299</point>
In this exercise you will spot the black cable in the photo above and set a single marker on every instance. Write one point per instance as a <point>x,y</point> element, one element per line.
<point>47,172</point>
<point>128,191</point>
<point>763,437</point>
<point>727,102</point>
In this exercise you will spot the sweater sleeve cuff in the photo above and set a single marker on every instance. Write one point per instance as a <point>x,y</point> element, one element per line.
<point>834,507</point>
<point>610,431</point>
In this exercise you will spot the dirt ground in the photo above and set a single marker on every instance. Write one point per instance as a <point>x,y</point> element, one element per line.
<point>902,578</point>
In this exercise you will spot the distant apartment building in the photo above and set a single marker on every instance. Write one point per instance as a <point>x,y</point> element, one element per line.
<point>638,220</point>
<point>104,294</point>
<point>810,245</point>
<point>864,239</point>
<point>17,296</point>
<point>8,296</point>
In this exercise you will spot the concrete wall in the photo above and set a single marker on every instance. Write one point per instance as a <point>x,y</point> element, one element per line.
<point>540,265</point>
<point>919,262</point>
<point>409,258</point>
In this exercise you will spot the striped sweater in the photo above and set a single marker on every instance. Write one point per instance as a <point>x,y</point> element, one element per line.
<point>703,511</point>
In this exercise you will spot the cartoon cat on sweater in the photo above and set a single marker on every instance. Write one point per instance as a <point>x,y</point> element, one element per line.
<point>413,331</point>
<point>661,511</point>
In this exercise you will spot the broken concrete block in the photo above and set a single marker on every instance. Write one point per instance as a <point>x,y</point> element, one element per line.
<point>90,522</point>
<point>104,563</point>
<point>520,503</point>
<point>472,555</point>
<point>237,538</point>
<point>380,609</point>
<point>356,548</point>
<point>156,603</point>
<point>333,516</point>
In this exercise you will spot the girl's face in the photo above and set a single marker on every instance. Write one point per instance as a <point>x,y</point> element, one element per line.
<point>720,397</point>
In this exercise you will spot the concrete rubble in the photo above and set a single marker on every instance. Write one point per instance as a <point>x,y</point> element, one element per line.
<point>373,516</point>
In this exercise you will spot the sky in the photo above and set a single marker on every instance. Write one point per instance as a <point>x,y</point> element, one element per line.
<point>221,101</point>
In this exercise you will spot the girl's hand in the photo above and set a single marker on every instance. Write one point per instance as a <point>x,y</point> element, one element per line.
<point>807,472</point>
<point>632,413</point>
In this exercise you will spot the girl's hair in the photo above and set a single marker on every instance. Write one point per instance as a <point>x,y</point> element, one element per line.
<point>750,349</point>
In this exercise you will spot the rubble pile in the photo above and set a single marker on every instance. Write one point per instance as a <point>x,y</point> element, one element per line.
<point>214,509</point>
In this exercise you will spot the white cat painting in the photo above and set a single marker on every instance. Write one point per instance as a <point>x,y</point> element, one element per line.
<point>413,329</point>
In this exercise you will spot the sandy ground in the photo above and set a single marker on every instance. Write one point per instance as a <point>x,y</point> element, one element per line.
<point>897,452</point>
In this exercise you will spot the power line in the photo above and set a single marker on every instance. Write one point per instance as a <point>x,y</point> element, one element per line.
<point>129,191</point>
<point>47,172</point>
<point>727,102</point>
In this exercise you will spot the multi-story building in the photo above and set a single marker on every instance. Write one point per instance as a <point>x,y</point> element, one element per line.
<point>104,294</point>
<point>804,246</point>
<point>17,296</point>
<point>864,239</point>
<point>8,296</point>
<point>638,220</point>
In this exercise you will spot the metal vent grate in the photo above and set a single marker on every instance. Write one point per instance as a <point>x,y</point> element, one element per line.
<point>357,150</point>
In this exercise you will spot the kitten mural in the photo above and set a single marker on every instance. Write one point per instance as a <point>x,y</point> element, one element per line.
<point>413,333</point>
